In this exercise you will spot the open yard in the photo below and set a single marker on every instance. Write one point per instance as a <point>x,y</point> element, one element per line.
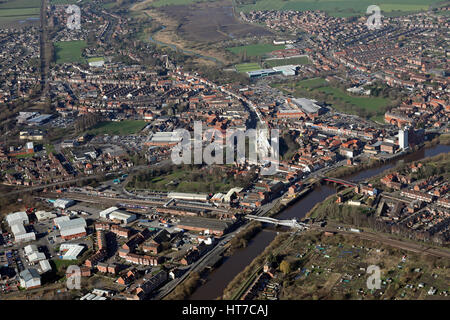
<point>123,127</point>
<point>69,51</point>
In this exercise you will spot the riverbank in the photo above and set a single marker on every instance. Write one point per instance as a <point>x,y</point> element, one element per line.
<point>297,209</point>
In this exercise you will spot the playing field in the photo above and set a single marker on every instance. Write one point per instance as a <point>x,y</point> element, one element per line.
<point>340,7</point>
<point>254,50</point>
<point>69,51</point>
<point>124,127</point>
<point>368,103</point>
<point>283,62</point>
<point>246,67</point>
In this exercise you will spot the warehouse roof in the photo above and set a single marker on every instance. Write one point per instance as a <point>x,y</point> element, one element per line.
<point>307,105</point>
<point>72,231</point>
<point>20,216</point>
<point>70,224</point>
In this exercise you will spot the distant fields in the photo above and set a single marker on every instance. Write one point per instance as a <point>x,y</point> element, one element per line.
<point>254,50</point>
<point>19,10</point>
<point>161,3</point>
<point>283,62</point>
<point>69,51</point>
<point>246,67</point>
<point>123,127</point>
<point>340,7</point>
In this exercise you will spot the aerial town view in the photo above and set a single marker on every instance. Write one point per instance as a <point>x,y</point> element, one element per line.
<point>240,150</point>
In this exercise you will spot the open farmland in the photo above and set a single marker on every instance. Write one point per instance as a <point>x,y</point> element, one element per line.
<point>340,7</point>
<point>19,11</point>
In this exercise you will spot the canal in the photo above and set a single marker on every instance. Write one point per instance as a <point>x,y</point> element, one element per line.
<point>233,265</point>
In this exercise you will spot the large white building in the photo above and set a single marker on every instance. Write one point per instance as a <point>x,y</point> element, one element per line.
<point>17,217</point>
<point>16,222</point>
<point>70,229</point>
<point>113,213</point>
<point>63,203</point>
<point>72,251</point>
<point>403,138</point>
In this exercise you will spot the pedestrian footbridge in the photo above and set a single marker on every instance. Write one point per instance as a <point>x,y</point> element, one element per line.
<point>288,223</point>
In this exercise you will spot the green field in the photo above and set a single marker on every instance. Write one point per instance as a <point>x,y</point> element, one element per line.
<point>254,50</point>
<point>318,88</point>
<point>246,67</point>
<point>69,51</point>
<point>123,127</point>
<point>312,83</point>
<point>19,10</point>
<point>340,7</point>
<point>161,3</point>
<point>283,62</point>
<point>95,59</point>
<point>368,103</point>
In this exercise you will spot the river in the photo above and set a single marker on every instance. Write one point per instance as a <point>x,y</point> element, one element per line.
<point>219,278</point>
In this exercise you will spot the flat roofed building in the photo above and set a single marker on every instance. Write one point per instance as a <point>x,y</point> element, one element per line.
<point>44,215</point>
<point>208,225</point>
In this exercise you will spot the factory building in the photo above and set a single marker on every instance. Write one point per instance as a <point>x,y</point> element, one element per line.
<point>114,214</point>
